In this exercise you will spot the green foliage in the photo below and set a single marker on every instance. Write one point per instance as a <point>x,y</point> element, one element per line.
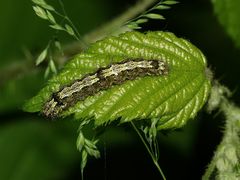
<point>225,163</point>
<point>27,158</point>
<point>42,56</point>
<point>150,142</point>
<point>159,112</point>
<point>86,147</point>
<point>46,54</point>
<point>228,14</point>
<point>15,92</point>
<point>172,99</point>
<point>148,14</point>
<point>31,149</point>
<point>44,11</point>
<point>43,4</point>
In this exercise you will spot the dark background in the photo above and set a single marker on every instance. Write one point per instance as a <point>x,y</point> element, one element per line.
<point>32,148</point>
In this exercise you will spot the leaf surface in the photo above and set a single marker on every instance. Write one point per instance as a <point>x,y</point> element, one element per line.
<point>173,98</point>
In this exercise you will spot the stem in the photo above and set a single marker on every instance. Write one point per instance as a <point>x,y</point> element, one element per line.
<point>68,19</point>
<point>225,162</point>
<point>116,24</point>
<point>65,16</point>
<point>82,176</point>
<point>149,151</point>
<point>144,13</point>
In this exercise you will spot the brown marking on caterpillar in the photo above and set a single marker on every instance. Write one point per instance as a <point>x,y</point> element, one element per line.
<point>102,79</point>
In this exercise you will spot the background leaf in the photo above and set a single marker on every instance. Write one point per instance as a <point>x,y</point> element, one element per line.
<point>173,99</point>
<point>69,29</point>
<point>14,93</point>
<point>42,56</point>
<point>36,150</point>
<point>154,16</point>
<point>43,4</point>
<point>40,12</point>
<point>228,14</point>
<point>170,2</point>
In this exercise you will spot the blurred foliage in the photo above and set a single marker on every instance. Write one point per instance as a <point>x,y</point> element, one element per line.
<point>21,28</point>
<point>16,91</point>
<point>31,148</point>
<point>228,14</point>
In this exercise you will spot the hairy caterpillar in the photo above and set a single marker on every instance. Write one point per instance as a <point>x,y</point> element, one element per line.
<point>102,79</point>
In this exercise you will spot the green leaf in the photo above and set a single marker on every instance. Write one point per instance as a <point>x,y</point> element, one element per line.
<point>69,30</point>
<point>42,56</point>
<point>57,27</point>
<point>50,17</point>
<point>39,1</point>
<point>52,66</point>
<point>162,7</point>
<point>154,16</point>
<point>133,25</point>
<point>40,12</point>
<point>84,160</point>
<point>228,14</point>
<point>58,45</point>
<point>80,141</point>
<point>140,21</point>
<point>173,99</point>
<point>47,71</point>
<point>43,4</point>
<point>170,2</point>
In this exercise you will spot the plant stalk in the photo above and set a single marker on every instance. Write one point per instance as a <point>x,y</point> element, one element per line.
<point>149,151</point>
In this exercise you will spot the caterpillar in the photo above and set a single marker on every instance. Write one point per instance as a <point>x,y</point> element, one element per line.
<point>102,79</point>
